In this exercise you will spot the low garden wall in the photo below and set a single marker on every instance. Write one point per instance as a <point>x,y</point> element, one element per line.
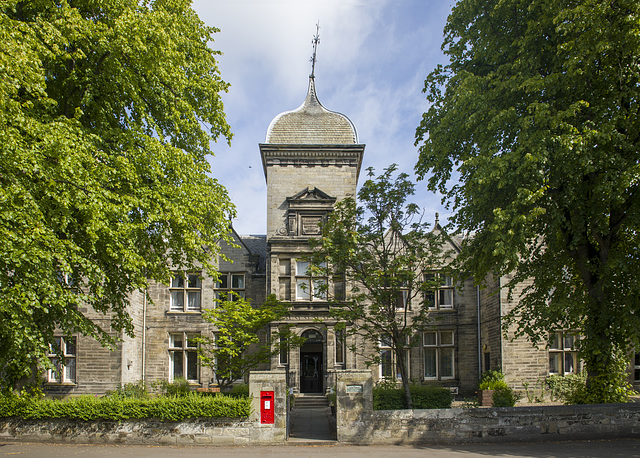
<point>505,424</point>
<point>358,423</point>
<point>71,423</point>
<point>140,432</point>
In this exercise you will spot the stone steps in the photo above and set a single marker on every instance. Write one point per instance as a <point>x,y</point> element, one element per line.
<point>307,401</point>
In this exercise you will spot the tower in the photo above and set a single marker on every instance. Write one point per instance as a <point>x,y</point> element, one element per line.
<point>311,159</point>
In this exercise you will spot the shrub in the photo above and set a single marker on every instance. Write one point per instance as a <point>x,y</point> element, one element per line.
<point>562,386</point>
<point>239,391</point>
<point>431,397</point>
<point>117,408</point>
<point>178,388</point>
<point>572,388</point>
<point>386,397</point>
<point>492,380</point>
<point>504,396</point>
<point>332,396</point>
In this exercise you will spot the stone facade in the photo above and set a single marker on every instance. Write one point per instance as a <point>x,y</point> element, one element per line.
<point>311,160</point>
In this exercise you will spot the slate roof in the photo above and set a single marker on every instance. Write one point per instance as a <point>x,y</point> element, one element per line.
<point>311,124</point>
<point>257,244</point>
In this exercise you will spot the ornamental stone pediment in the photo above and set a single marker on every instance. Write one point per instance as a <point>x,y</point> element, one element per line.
<point>310,194</point>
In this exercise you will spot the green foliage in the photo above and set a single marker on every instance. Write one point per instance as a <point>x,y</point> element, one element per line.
<point>562,386</point>
<point>177,388</point>
<point>492,380</point>
<point>116,408</point>
<point>431,397</point>
<point>107,112</point>
<point>532,393</point>
<point>137,390</point>
<point>239,391</point>
<point>572,388</point>
<point>332,396</point>
<point>504,396</point>
<point>386,397</point>
<point>383,249</point>
<point>236,347</point>
<point>537,114</point>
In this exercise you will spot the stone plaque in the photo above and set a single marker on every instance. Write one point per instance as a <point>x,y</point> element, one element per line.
<point>311,225</point>
<point>354,388</point>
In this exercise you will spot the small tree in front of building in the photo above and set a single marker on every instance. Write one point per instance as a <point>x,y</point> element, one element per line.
<point>236,348</point>
<point>383,250</point>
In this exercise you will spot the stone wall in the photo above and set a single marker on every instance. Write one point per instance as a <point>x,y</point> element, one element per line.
<point>522,362</point>
<point>358,423</point>
<point>490,318</point>
<point>132,432</point>
<point>491,425</point>
<point>210,431</point>
<point>275,381</point>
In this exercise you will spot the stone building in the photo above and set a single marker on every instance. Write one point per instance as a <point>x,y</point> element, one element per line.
<point>311,159</point>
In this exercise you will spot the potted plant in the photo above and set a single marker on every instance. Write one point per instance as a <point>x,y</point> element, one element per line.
<point>490,381</point>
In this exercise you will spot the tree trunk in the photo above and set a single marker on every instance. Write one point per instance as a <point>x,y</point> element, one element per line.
<point>402,365</point>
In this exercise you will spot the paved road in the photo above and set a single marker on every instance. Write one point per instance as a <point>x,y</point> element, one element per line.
<point>608,449</point>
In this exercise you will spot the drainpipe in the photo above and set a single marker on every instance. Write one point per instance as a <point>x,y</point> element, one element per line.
<point>144,334</point>
<point>479,339</point>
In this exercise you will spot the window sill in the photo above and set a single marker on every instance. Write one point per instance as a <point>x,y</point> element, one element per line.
<point>65,384</point>
<point>180,312</point>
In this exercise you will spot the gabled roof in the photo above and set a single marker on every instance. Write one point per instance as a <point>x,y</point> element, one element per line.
<point>455,241</point>
<point>257,245</point>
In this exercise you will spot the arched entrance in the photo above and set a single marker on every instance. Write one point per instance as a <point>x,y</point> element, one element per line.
<point>312,362</point>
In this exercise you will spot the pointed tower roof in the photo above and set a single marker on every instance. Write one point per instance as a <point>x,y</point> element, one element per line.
<point>311,124</point>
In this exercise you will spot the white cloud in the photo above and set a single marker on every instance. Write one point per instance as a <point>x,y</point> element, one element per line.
<point>372,61</point>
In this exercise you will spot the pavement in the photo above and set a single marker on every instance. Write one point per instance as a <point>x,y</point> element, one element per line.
<point>311,426</point>
<point>622,448</point>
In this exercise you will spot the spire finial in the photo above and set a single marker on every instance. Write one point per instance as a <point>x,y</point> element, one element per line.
<point>437,219</point>
<point>315,41</point>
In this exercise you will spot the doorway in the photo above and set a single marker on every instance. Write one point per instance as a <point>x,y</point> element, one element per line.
<point>312,362</point>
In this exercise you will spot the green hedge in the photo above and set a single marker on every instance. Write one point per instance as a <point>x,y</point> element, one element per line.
<point>423,397</point>
<point>114,408</point>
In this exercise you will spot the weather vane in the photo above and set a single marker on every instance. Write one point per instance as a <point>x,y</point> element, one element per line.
<point>315,41</point>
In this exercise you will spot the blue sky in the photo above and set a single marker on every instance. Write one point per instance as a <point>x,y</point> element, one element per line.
<point>372,60</point>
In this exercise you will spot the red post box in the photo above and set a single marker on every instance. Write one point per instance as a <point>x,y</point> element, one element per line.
<point>266,407</point>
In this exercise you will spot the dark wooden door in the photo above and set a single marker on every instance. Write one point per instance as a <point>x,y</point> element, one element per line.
<point>311,373</point>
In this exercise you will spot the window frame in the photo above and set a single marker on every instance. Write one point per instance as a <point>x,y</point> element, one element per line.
<point>385,346</point>
<point>446,287</point>
<point>227,288</point>
<point>311,281</point>
<point>340,346</point>
<point>59,374</point>
<point>561,352</point>
<point>184,290</point>
<point>184,350</point>
<point>283,353</point>
<point>439,349</point>
<point>402,298</point>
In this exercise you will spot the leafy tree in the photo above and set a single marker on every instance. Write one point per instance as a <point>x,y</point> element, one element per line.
<point>236,348</point>
<point>107,110</point>
<point>537,114</point>
<point>383,251</point>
